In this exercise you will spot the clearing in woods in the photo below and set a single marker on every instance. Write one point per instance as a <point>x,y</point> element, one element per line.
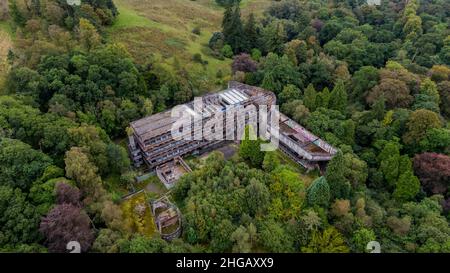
<point>161,30</point>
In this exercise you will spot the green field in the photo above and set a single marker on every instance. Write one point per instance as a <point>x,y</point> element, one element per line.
<point>161,30</point>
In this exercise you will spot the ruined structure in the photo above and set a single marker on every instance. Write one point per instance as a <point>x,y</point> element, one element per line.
<point>151,141</point>
<point>170,172</point>
<point>167,218</point>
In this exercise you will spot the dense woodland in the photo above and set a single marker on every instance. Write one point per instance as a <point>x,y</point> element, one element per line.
<point>374,81</point>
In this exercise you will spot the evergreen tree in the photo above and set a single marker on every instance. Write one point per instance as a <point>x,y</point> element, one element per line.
<point>251,34</point>
<point>16,14</point>
<point>338,97</point>
<point>335,176</point>
<point>310,98</point>
<point>323,98</point>
<point>274,37</point>
<point>319,193</point>
<point>232,29</point>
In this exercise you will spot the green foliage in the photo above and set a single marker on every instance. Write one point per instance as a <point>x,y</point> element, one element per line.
<point>361,238</point>
<point>319,193</point>
<point>328,241</point>
<point>250,148</point>
<point>19,219</point>
<point>20,165</point>
<point>335,176</point>
<point>274,238</point>
<point>310,97</point>
<point>407,187</point>
<point>338,98</point>
<point>279,72</point>
<point>227,51</point>
<point>232,28</point>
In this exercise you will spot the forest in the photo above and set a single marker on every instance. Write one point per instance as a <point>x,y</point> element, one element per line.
<point>372,80</point>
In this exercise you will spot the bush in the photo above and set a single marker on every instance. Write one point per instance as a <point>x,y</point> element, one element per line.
<point>227,51</point>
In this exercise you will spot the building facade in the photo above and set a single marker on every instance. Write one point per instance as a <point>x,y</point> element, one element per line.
<point>151,141</point>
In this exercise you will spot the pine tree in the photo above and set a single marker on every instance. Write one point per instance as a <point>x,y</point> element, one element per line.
<point>310,98</point>
<point>319,193</point>
<point>250,33</point>
<point>16,14</point>
<point>232,29</point>
<point>323,98</point>
<point>339,185</point>
<point>338,97</point>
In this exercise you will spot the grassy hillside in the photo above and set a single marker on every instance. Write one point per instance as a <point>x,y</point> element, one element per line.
<point>5,44</point>
<point>162,30</point>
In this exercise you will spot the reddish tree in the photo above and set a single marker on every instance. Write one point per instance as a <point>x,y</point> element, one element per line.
<point>243,62</point>
<point>67,194</point>
<point>433,170</point>
<point>65,223</point>
<point>317,24</point>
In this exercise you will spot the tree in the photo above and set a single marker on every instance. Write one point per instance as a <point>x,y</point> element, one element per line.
<point>323,98</point>
<point>436,140</point>
<point>296,50</point>
<point>279,72</point>
<point>66,194</point>
<point>338,97</point>
<point>418,124</point>
<point>290,92</point>
<point>328,241</point>
<point>319,193</point>
<point>221,236</point>
<point>335,176</point>
<point>395,92</point>
<point>16,13</point>
<point>361,238</point>
<point>66,223</point>
<point>433,171</point>
<point>362,81</point>
<point>79,167</point>
<point>389,159</point>
<point>89,38</point>
<point>107,241</point>
<point>141,244</point>
<point>243,62</point>
<point>250,33</point>
<point>310,98</point>
<point>250,149</point>
<point>408,186</point>
<point>273,37</point>
<point>274,238</point>
<point>257,197</point>
<point>355,170</point>
<point>241,240</point>
<point>20,165</point>
<point>444,94</point>
<point>232,28</point>
<point>19,219</point>
<point>271,161</point>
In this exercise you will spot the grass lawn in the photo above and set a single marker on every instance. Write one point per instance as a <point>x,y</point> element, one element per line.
<point>161,30</point>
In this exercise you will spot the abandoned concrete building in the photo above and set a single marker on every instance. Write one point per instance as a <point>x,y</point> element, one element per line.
<point>170,172</point>
<point>151,143</point>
